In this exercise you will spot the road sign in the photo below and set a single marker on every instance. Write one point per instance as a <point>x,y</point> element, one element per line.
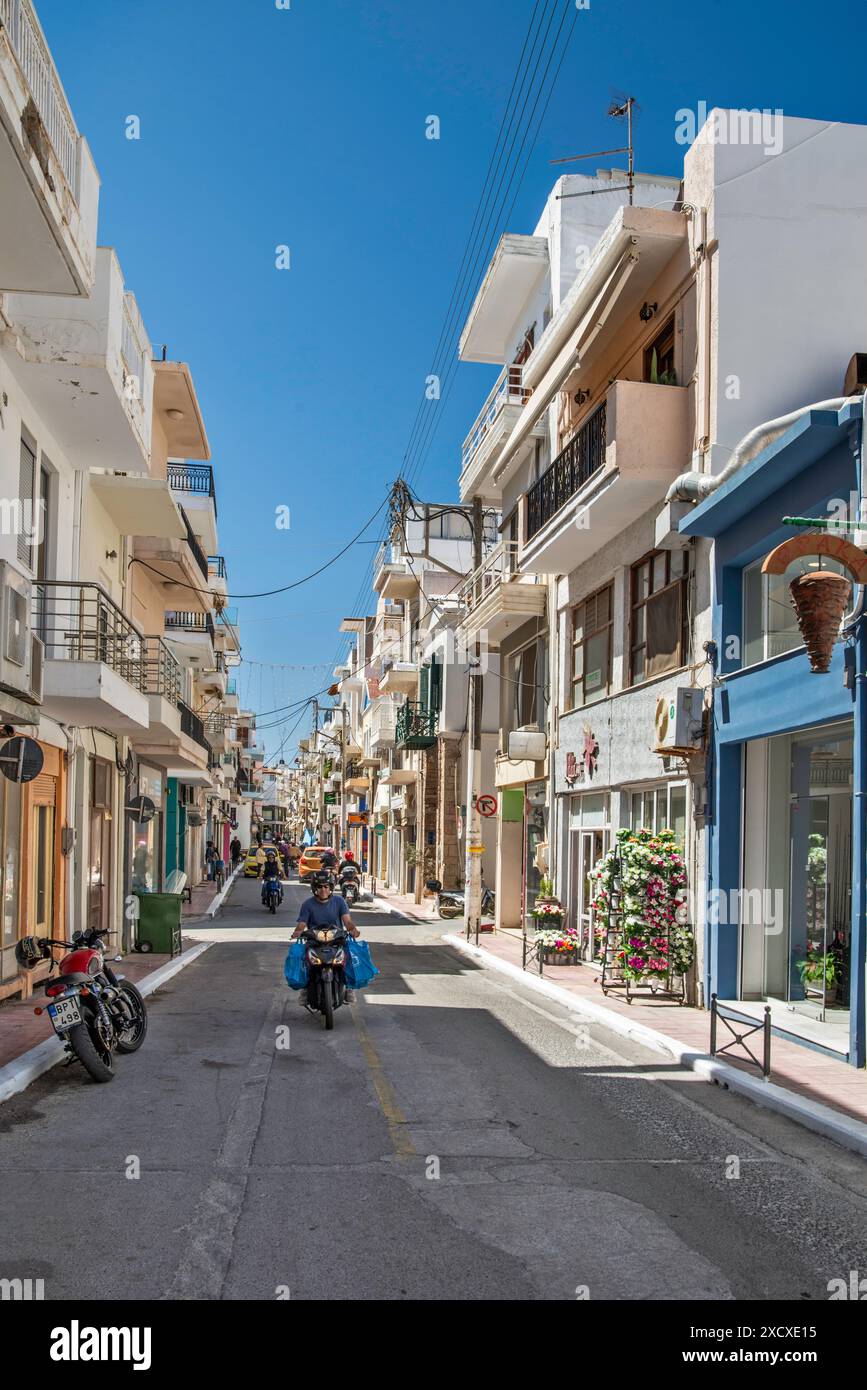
<point>486,805</point>
<point>21,759</point>
<point>141,809</point>
<point>330,798</point>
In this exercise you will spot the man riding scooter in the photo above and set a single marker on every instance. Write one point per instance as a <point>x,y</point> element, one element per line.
<point>324,909</point>
<point>270,871</point>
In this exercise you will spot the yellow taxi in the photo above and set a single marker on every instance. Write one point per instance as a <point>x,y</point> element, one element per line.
<point>251,862</point>
<point>311,861</point>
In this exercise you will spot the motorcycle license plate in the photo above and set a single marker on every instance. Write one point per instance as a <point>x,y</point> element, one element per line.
<point>64,1014</point>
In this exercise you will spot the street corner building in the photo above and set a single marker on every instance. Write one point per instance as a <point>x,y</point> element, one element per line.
<point>116,641</point>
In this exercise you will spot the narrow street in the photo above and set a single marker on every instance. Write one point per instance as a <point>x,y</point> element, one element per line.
<point>455,1137</point>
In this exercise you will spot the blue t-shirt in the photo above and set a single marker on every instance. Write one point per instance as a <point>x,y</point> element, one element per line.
<point>328,914</point>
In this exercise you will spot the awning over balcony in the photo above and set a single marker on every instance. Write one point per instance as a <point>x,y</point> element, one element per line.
<point>139,506</point>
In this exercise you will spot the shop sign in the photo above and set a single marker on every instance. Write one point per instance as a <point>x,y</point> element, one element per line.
<point>379,829</point>
<point>581,767</point>
<point>21,759</point>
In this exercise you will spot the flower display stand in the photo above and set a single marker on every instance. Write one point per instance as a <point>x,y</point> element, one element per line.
<point>639,902</point>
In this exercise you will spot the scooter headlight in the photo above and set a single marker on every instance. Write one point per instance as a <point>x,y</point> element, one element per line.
<point>313,958</point>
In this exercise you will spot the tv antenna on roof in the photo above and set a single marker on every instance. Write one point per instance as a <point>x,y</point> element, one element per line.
<point>627,107</point>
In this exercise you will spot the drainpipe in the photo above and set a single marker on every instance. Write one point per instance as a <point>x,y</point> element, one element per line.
<point>858,940</point>
<point>694,486</point>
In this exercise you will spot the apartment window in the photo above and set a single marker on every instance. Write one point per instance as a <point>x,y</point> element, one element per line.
<point>450,526</point>
<point>26,495</point>
<point>659,356</point>
<point>658,628</point>
<point>662,807</point>
<point>591,648</point>
<point>528,680</point>
<point>770,627</point>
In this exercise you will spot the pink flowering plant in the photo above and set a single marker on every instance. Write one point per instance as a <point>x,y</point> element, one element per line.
<point>563,939</point>
<point>656,941</point>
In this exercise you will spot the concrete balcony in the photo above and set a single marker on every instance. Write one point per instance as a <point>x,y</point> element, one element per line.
<point>615,468</point>
<point>498,598</point>
<point>519,265</point>
<point>392,576</point>
<point>180,561</point>
<point>496,420</point>
<point>190,635</point>
<point>50,185</point>
<point>86,366</point>
<point>93,674</point>
<point>162,682</point>
<point>399,678</point>
<point>193,486</point>
<point>381,717</point>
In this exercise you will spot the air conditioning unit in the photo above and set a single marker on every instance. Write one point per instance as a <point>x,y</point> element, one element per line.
<point>679,720</point>
<point>15,631</point>
<point>529,744</point>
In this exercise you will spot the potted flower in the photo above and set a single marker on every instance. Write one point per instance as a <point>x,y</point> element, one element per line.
<point>559,945</point>
<point>641,884</point>
<point>818,975</point>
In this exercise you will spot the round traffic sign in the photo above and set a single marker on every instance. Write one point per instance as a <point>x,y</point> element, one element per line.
<point>486,805</point>
<point>21,759</point>
<point>379,829</point>
<point>141,809</point>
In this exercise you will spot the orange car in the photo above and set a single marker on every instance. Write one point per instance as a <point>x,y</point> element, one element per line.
<point>311,861</point>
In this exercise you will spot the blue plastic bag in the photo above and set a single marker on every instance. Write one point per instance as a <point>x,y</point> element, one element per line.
<point>359,969</point>
<point>295,968</point>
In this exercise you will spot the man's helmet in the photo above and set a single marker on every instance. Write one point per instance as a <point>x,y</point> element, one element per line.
<point>320,881</point>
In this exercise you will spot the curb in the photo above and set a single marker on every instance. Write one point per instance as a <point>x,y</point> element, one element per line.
<point>217,904</point>
<point>17,1075</point>
<point>832,1124</point>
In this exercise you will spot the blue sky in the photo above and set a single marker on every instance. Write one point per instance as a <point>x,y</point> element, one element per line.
<point>306,127</point>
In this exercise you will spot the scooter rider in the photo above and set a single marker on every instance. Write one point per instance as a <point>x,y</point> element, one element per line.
<point>271,869</point>
<point>324,909</point>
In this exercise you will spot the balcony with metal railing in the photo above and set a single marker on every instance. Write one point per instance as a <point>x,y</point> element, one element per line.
<point>95,657</point>
<point>494,423</point>
<point>615,468</point>
<point>498,598</point>
<point>50,184</point>
<point>193,485</point>
<point>416,725</point>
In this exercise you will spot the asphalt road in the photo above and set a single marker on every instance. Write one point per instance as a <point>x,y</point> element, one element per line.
<point>455,1137</point>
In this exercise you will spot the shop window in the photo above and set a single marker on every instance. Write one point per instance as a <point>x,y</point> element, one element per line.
<point>659,357</point>
<point>770,627</point>
<point>662,807</point>
<point>658,626</point>
<point>591,648</point>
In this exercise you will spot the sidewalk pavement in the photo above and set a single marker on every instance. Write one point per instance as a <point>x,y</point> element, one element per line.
<point>813,1081</point>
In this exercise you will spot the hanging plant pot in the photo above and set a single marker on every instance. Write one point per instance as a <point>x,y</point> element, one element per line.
<point>819,599</point>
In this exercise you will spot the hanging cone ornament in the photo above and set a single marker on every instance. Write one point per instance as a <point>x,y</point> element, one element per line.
<point>819,599</point>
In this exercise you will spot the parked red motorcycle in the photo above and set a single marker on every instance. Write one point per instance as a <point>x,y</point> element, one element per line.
<point>94,1011</point>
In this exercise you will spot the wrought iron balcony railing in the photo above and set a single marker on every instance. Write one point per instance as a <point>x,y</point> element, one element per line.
<point>416,725</point>
<point>190,622</point>
<point>195,478</point>
<point>217,566</point>
<point>573,466</point>
<point>193,726</point>
<point>199,555</point>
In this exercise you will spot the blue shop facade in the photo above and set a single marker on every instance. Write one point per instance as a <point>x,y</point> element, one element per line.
<point>787,761</point>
